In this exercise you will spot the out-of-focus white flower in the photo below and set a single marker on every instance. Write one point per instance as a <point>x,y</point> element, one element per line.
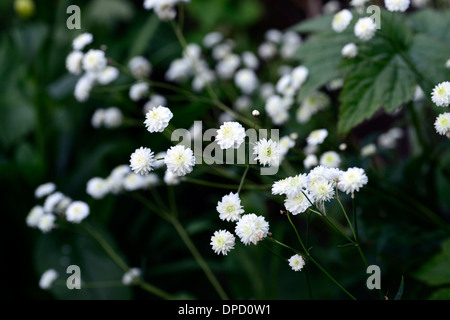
<point>246,80</point>
<point>227,66</point>
<point>83,87</point>
<point>310,161</point>
<point>44,189</point>
<point>52,200</point>
<point>330,159</point>
<point>350,50</point>
<point>212,38</point>
<point>317,137</point>
<point>138,91</point>
<point>74,62</point>
<point>341,20</point>
<point>34,216</point>
<point>47,279</point>
<point>107,75</point>
<point>77,211</point>
<point>397,5</point>
<point>133,181</point>
<point>368,150</point>
<point>94,60</point>
<point>365,28</point>
<point>267,50</point>
<point>131,276</point>
<point>250,60</point>
<point>112,117</point>
<point>140,67</point>
<point>388,139</point>
<point>97,188</point>
<point>46,222</point>
<point>82,40</point>
<point>170,178</point>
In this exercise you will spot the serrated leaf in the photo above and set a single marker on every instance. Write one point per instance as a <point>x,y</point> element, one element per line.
<point>321,23</point>
<point>435,24</point>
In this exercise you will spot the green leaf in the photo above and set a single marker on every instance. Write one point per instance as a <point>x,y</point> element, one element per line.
<point>436,271</point>
<point>441,294</point>
<point>435,24</point>
<point>321,23</point>
<point>399,294</point>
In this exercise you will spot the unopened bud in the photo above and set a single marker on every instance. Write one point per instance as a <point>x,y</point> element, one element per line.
<point>255,113</point>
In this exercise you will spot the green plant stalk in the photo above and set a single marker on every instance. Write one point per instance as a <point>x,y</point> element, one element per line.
<point>243,178</point>
<point>121,264</point>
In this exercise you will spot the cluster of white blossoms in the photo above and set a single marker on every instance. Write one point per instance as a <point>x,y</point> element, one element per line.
<point>250,228</point>
<point>397,5</point>
<point>364,28</point>
<point>311,105</point>
<point>165,9</point>
<point>318,186</point>
<point>441,97</point>
<point>56,205</point>
<point>110,118</point>
<point>93,63</point>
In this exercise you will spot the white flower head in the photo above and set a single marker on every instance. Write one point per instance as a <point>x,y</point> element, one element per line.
<point>252,228</point>
<point>179,160</point>
<point>52,201</point>
<point>341,20</point>
<point>44,189</point>
<point>299,203</point>
<point>82,40</point>
<point>138,91</point>
<point>47,279</point>
<point>94,60</point>
<point>112,117</point>
<point>291,186</point>
<point>352,180</point>
<point>321,172</point>
<point>74,62</point>
<point>397,5</point>
<point>368,150</point>
<point>442,123</point>
<point>231,134</point>
<point>107,75</point>
<point>171,179</point>
<point>330,159</point>
<point>142,161</point>
<point>246,80</point>
<point>77,211</point>
<point>317,137</point>
<point>212,38</point>
<point>157,119</point>
<point>46,222</point>
<point>140,67</point>
<point>321,190</point>
<point>310,161</point>
<point>267,152</point>
<point>350,50</point>
<point>296,262</point>
<point>83,88</point>
<point>34,216</point>
<point>229,207</point>
<point>441,94</point>
<point>447,64</point>
<point>97,187</point>
<point>222,242</point>
<point>133,181</point>
<point>365,28</point>
<point>131,276</point>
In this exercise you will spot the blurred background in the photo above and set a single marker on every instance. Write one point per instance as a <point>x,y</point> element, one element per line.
<point>46,135</point>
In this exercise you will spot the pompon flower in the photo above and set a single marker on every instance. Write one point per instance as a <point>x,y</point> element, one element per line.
<point>74,62</point>
<point>157,119</point>
<point>140,67</point>
<point>441,94</point>
<point>350,50</point>
<point>77,211</point>
<point>397,5</point>
<point>252,228</point>
<point>94,60</point>
<point>46,222</point>
<point>316,137</point>
<point>352,180</point>
<point>82,40</point>
<point>442,124</point>
<point>365,28</point>
<point>229,207</point>
<point>296,262</point>
<point>47,279</point>
<point>222,242</point>
<point>142,161</point>
<point>299,203</point>
<point>179,160</point>
<point>97,187</point>
<point>231,134</point>
<point>267,152</point>
<point>341,20</point>
<point>44,189</point>
<point>34,216</point>
<point>330,159</point>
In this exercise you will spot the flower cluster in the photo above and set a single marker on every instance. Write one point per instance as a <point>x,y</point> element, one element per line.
<point>441,97</point>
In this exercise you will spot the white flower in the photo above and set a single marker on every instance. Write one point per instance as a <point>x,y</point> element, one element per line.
<point>311,105</point>
<point>229,207</point>
<point>171,179</point>
<point>179,160</point>
<point>255,113</point>
<point>447,64</point>
<point>138,91</point>
<point>155,101</point>
<point>142,161</point>
<point>330,159</point>
<point>341,20</point>
<point>358,3</point>
<point>252,228</point>
<point>83,88</point>
<point>286,143</point>
<point>296,262</point>
<point>140,67</point>
<point>74,62</point>
<point>299,203</point>
<point>133,181</point>
<point>365,28</point>
<point>442,123</point>
<point>321,190</point>
<point>47,279</point>
<point>350,50</point>
<point>246,80</point>
<point>77,211</point>
<point>212,38</point>
<point>299,75</point>
<point>131,276</point>
<point>157,119</point>
<point>46,222</point>
<point>275,106</point>
<point>97,187</point>
<point>389,138</point>
<point>368,150</point>
<point>317,137</point>
<point>441,94</point>
<point>397,5</point>
<point>34,216</point>
<point>44,189</point>
<point>82,40</point>
<point>267,50</point>
<point>52,200</point>
<point>267,152</point>
<point>94,60</point>
<point>250,60</point>
<point>97,118</point>
<point>352,180</point>
<point>324,173</point>
<point>290,186</point>
<point>230,134</point>
<point>222,242</point>
<point>107,75</point>
<point>310,161</point>
<point>273,35</point>
<point>112,117</point>
<point>331,7</point>
<point>226,67</point>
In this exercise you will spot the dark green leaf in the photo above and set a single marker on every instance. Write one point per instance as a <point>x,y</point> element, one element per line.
<point>436,271</point>
<point>399,294</point>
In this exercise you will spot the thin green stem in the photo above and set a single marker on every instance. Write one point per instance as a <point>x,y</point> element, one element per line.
<point>243,178</point>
